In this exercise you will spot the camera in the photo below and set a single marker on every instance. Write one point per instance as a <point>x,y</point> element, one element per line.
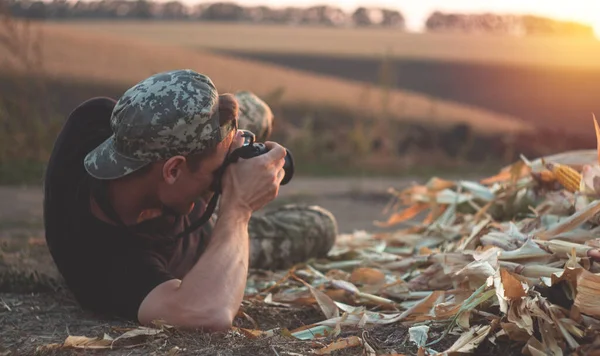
<point>252,149</point>
<point>248,150</point>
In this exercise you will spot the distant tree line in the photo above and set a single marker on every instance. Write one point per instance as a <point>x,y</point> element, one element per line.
<point>518,25</point>
<point>219,11</point>
<point>316,15</point>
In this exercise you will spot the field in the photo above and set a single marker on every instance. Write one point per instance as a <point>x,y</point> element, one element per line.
<point>112,59</point>
<point>348,102</point>
<point>496,73</point>
<point>355,43</point>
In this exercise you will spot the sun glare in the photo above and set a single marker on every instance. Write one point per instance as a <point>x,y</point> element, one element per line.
<point>597,29</point>
<point>583,11</point>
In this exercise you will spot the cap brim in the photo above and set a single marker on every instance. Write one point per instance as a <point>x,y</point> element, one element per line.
<point>104,162</point>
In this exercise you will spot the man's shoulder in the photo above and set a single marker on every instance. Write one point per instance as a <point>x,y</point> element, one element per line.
<point>66,184</point>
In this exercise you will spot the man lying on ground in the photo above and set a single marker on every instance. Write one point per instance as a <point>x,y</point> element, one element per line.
<point>125,179</point>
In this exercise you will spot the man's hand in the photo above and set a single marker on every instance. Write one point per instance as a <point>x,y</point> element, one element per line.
<point>250,184</point>
<point>209,296</point>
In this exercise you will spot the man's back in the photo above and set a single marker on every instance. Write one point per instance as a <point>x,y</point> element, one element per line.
<point>108,268</point>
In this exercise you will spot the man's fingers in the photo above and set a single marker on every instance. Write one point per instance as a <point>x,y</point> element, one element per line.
<point>237,142</point>
<point>280,163</point>
<point>276,151</point>
<point>280,176</point>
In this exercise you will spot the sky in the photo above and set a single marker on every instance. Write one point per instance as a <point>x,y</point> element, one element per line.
<point>416,11</point>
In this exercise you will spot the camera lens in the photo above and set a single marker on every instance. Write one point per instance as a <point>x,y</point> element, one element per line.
<point>288,167</point>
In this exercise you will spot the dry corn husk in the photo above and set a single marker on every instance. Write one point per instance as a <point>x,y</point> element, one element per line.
<point>512,250</point>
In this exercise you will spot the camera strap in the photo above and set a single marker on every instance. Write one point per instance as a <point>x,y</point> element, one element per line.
<point>210,209</point>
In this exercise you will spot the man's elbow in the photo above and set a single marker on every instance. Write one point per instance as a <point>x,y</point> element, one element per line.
<point>209,321</point>
<point>205,320</point>
<point>164,304</point>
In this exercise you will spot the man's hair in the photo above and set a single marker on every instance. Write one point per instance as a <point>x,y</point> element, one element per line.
<point>228,111</point>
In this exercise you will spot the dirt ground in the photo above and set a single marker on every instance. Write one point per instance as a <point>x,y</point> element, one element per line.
<point>37,314</point>
<point>35,310</point>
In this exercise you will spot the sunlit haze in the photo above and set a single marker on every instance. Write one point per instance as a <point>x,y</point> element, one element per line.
<point>584,11</point>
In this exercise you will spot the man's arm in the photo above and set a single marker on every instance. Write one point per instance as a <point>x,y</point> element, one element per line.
<point>209,296</point>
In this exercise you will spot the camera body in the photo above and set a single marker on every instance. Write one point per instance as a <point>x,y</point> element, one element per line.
<point>252,149</point>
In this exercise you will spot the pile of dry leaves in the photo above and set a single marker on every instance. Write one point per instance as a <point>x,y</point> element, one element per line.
<point>506,259</point>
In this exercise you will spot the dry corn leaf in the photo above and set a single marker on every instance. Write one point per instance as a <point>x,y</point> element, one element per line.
<point>530,271</point>
<point>512,173</point>
<point>588,290</point>
<point>436,184</point>
<point>469,341</point>
<point>534,348</point>
<point>81,342</point>
<point>269,300</point>
<point>529,251</point>
<point>351,288</point>
<point>520,316</point>
<point>564,248</point>
<point>356,316</point>
<point>340,344</point>
<point>464,320</point>
<point>574,158</point>
<point>84,342</point>
<point>365,275</point>
<point>140,331</point>
<point>311,332</point>
<point>255,333</point>
<point>508,288</point>
<point>514,288</point>
<point>561,327</point>
<point>478,190</point>
<point>419,335</point>
<point>404,215</point>
<point>423,307</point>
<point>549,336</point>
<point>571,222</point>
<point>511,234</point>
<point>515,333</point>
<point>326,304</point>
<point>369,351</point>
<point>475,273</point>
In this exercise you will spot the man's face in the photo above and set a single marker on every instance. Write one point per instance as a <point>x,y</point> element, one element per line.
<point>181,187</point>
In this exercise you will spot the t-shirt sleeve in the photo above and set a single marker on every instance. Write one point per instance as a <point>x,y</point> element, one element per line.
<point>117,283</point>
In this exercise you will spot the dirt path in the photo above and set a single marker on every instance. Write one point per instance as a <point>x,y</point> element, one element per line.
<point>356,202</point>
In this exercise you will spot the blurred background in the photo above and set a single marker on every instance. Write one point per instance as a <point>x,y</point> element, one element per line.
<point>359,88</point>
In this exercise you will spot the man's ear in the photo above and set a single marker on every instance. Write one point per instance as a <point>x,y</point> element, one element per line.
<point>172,169</point>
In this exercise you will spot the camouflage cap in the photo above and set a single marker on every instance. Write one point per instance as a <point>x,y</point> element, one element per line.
<point>168,114</point>
<point>255,115</point>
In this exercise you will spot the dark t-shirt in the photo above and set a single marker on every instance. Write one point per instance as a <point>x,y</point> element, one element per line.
<point>110,269</point>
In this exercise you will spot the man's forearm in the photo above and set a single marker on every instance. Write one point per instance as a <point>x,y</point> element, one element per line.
<point>217,282</point>
<point>209,296</point>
